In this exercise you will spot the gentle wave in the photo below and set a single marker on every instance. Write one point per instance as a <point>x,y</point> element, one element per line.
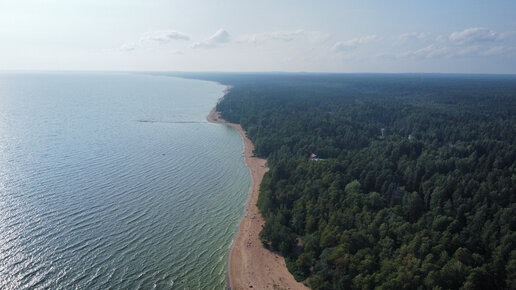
<point>101,201</point>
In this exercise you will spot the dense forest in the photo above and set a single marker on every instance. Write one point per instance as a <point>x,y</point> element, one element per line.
<point>416,185</point>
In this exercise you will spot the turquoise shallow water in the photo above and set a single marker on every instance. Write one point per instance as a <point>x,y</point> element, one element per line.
<point>115,181</point>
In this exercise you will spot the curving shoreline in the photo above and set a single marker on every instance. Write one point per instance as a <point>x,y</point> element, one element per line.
<point>250,264</point>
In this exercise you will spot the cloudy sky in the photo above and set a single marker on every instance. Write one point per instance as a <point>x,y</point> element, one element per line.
<point>473,36</point>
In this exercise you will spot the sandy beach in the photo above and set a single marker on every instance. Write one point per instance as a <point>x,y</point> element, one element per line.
<point>250,264</point>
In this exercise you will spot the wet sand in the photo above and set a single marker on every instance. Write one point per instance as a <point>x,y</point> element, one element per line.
<point>251,266</point>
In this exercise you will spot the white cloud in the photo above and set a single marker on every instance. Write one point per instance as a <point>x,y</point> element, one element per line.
<point>221,36</point>
<point>355,42</point>
<point>473,35</point>
<point>433,51</point>
<point>154,37</point>
<point>275,35</point>
<point>430,51</point>
<point>471,42</point>
<point>128,46</point>
<point>286,36</point>
<point>412,36</point>
<point>317,36</point>
<point>498,50</point>
<point>442,39</point>
<point>163,36</point>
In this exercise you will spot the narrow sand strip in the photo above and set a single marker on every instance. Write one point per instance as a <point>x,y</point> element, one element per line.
<point>250,264</point>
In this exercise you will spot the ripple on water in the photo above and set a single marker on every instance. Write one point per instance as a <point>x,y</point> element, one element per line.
<point>91,199</point>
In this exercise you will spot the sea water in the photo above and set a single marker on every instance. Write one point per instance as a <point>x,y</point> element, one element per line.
<point>116,180</point>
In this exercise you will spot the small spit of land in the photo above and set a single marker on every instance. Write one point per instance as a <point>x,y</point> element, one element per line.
<point>250,264</point>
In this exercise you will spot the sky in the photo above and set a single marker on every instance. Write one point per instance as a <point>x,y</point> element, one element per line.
<point>384,36</point>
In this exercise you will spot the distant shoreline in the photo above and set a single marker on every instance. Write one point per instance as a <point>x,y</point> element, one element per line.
<point>249,263</point>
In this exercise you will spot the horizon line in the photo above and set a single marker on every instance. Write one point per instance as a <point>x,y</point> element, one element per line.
<point>251,72</point>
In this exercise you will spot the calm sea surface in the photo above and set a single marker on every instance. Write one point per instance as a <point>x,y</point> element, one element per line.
<point>115,181</point>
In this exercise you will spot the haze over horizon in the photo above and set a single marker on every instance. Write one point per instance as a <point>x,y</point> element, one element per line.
<point>229,35</point>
